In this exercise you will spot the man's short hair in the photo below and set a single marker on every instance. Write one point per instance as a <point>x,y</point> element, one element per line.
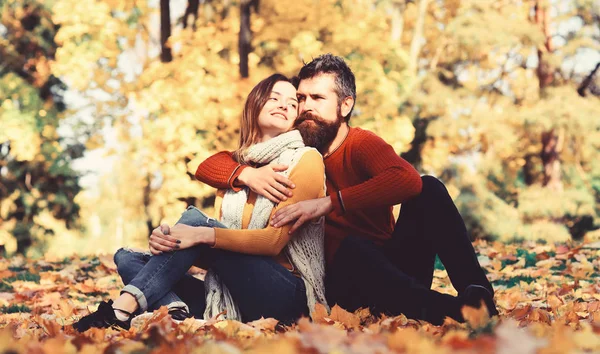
<point>345,83</point>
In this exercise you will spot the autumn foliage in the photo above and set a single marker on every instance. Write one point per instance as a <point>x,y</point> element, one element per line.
<point>548,297</point>
<point>497,98</point>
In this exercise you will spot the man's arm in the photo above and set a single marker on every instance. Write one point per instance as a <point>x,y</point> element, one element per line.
<point>392,179</point>
<point>221,171</point>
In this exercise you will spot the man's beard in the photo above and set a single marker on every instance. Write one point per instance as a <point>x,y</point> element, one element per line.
<point>321,133</point>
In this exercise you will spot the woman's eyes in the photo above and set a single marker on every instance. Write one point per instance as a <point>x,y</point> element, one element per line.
<point>293,104</point>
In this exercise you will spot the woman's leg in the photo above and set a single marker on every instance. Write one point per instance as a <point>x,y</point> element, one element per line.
<point>191,291</point>
<point>261,287</point>
<point>130,263</point>
<point>152,280</point>
<point>162,272</point>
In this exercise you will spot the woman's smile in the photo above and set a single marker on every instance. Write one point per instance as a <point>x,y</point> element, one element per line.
<point>279,114</point>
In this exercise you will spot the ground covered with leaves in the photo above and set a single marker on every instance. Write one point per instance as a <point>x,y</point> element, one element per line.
<point>548,297</point>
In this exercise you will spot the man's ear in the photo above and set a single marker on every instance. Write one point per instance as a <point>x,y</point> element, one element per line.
<point>347,105</point>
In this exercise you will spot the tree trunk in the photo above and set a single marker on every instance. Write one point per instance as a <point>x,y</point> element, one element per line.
<point>147,200</point>
<point>192,9</point>
<point>528,169</point>
<point>551,148</point>
<point>551,142</point>
<point>544,72</point>
<point>245,37</point>
<point>416,42</point>
<point>397,21</point>
<point>165,31</point>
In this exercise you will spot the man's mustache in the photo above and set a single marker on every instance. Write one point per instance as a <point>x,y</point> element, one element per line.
<point>308,117</point>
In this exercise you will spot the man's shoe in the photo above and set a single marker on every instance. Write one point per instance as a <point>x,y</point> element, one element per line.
<point>104,317</point>
<point>474,294</point>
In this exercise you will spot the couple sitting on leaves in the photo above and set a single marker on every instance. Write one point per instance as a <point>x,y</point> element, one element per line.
<point>305,217</point>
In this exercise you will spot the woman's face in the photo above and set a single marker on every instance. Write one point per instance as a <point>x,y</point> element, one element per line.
<point>280,111</point>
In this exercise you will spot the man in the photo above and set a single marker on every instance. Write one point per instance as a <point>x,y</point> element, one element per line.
<point>371,261</point>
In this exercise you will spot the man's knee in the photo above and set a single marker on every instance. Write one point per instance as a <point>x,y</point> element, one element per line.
<point>432,186</point>
<point>352,247</point>
<point>355,256</point>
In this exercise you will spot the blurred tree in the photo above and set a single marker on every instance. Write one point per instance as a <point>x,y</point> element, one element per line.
<point>245,35</point>
<point>37,185</point>
<point>452,84</point>
<point>192,10</point>
<point>165,31</point>
<point>494,99</point>
<point>182,111</point>
<point>286,35</point>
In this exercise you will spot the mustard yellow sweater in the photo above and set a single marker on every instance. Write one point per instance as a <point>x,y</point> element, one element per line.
<point>308,176</point>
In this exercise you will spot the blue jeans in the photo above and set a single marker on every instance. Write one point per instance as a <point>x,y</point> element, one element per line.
<point>260,286</point>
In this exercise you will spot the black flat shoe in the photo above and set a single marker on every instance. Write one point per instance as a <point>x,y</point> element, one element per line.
<point>104,317</point>
<point>179,313</point>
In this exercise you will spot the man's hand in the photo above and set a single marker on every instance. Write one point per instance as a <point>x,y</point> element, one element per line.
<point>306,210</point>
<point>267,182</point>
<point>161,241</point>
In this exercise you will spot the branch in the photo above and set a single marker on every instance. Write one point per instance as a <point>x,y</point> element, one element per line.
<point>415,45</point>
<point>587,81</point>
<point>192,9</point>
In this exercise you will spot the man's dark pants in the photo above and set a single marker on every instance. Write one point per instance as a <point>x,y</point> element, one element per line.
<point>396,277</point>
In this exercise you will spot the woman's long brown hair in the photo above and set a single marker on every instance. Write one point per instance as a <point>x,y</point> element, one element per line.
<point>249,129</point>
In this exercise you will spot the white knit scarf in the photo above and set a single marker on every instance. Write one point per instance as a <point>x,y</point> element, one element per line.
<point>305,249</point>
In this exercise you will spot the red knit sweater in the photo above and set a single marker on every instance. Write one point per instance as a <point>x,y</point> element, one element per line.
<point>365,179</point>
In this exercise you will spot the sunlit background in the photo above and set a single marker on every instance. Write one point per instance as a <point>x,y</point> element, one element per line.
<point>108,106</point>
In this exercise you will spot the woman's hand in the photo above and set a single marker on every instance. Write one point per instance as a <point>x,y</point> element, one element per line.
<point>189,236</point>
<point>160,241</point>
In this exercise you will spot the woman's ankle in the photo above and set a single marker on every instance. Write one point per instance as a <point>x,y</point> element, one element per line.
<point>126,303</point>
<point>122,315</point>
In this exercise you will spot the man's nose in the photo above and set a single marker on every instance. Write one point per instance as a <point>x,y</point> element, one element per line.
<point>307,106</point>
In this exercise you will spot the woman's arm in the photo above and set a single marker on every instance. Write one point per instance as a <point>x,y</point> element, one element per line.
<point>309,176</point>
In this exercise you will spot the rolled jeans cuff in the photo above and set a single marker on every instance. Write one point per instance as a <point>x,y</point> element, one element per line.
<point>177,304</point>
<point>138,295</point>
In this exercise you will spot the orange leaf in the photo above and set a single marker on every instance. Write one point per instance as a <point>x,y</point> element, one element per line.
<point>107,261</point>
<point>476,317</point>
<point>346,318</point>
<point>49,299</point>
<point>319,313</point>
<point>264,324</point>
<point>521,312</point>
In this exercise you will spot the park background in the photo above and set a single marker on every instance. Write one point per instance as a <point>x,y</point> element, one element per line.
<point>108,106</point>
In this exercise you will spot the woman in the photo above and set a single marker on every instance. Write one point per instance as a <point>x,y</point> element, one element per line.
<point>254,269</point>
